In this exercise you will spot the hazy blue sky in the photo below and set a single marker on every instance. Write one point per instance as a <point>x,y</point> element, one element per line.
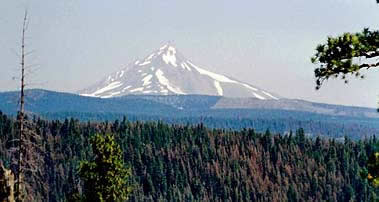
<point>265,43</point>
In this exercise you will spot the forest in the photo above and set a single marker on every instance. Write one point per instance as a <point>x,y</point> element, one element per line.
<point>183,162</point>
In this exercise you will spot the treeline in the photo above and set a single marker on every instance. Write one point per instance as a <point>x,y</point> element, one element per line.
<point>194,163</point>
<point>277,121</point>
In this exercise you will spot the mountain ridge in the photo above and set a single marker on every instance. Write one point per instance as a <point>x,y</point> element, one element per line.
<point>184,102</point>
<point>280,116</point>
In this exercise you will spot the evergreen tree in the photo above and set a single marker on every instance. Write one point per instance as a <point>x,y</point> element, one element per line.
<point>346,55</point>
<point>105,178</point>
<point>373,169</point>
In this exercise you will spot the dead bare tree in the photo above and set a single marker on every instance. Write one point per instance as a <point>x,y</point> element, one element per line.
<point>28,151</point>
<point>21,113</point>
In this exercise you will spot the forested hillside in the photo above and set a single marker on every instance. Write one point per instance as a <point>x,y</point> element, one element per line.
<point>194,163</point>
<point>279,116</point>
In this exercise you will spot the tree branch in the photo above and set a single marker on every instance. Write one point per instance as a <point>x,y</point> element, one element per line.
<point>371,55</point>
<point>368,66</point>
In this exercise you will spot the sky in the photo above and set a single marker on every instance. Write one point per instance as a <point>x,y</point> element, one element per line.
<point>265,43</point>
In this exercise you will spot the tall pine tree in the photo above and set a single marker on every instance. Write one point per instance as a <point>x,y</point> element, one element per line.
<point>105,177</point>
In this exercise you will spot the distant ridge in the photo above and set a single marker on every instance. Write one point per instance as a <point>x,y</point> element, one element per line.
<point>39,100</point>
<point>279,116</point>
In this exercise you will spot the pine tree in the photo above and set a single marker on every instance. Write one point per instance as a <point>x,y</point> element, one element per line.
<point>346,55</point>
<point>373,169</point>
<point>105,178</point>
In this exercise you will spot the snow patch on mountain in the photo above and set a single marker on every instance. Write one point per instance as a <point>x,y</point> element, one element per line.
<point>220,91</point>
<point>145,63</point>
<point>163,47</point>
<point>164,81</point>
<point>169,57</point>
<point>136,90</point>
<point>258,96</point>
<point>150,56</point>
<point>146,80</point>
<point>109,87</point>
<point>112,94</point>
<point>217,77</point>
<point>122,73</point>
<point>268,94</point>
<point>186,66</point>
<point>249,87</point>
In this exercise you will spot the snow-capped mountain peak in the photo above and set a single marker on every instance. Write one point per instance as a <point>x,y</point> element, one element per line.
<point>166,71</point>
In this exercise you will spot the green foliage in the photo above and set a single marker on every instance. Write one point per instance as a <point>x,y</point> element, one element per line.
<point>105,178</point>
<point>192,162</point>
<point>346,55</point>
<point>373,169</point>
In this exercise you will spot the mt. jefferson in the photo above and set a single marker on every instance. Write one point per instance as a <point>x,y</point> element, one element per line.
<point>168,72</point>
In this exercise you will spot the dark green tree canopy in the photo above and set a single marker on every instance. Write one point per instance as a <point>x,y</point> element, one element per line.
<point>346,55</point>
<point>373,169</point>
<point>105,178</point>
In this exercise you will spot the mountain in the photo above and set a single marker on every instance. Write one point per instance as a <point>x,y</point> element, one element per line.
<point>279,116</point>
<point>39,101</point>
<point>167,72</point>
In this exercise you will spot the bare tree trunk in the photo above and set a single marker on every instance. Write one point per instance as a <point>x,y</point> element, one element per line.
<point>28,158</point>
<point>21,113</point>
